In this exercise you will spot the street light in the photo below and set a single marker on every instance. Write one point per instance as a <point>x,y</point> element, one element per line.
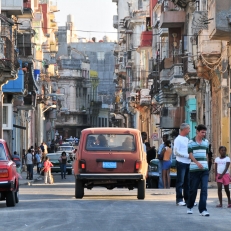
<point>52,106</point>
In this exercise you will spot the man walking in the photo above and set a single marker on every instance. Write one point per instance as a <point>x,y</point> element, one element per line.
<point>199,171</point>
<point>165,138</point>
<point>182,164</point>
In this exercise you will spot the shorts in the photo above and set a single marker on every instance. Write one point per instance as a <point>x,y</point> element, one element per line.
<point>224,180</point>
<point>166,164</point>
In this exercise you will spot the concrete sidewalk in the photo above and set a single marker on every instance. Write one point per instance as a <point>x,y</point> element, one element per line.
<point>24,181</point>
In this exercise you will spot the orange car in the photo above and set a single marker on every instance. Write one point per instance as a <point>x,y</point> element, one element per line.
<point>110,157</point>
<point>9,183</point>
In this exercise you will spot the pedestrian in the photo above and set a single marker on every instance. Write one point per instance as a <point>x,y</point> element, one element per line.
<point>38,160</point>
<point>151,152</point>
<point>45,148</point>
<point>167,152</point>
<point>160,157</point>
<point>199,171</point>
<point>52,146</point>
<point>47,170</point>
<point>63,164</point>
<point>144,137</point>
<point>29,164</point>
<point>222,176</point>
<point>182,165</point>
<point>17,161</point>
<point>42,148</point>
<point>210,157</point>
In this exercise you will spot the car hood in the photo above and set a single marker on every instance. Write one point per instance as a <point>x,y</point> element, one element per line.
<point>4,163</point>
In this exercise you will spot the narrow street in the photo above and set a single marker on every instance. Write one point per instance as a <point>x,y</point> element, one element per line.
<point>53,207</point>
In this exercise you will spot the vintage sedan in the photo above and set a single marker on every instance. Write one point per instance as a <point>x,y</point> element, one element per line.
<point>110,158</point>
<point>153,173</point>
<point>9,181</point>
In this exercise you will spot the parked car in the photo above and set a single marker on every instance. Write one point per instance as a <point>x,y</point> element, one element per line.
<point>54,159</point>
<point>110,158</point>
<point>9,181</point>
<point>153,173</point>
<point>68,149</point>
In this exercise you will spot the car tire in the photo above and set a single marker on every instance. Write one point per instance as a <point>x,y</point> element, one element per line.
<point>79,189</point>
<point>141,189</point>
<point>154,183</point>
<point>69,172</point>
<point>10,199</point>
<point>17,195</point>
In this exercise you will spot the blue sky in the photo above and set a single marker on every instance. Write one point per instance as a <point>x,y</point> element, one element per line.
<point>89,15</point>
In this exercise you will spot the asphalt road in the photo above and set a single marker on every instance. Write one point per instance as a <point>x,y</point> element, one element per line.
<point>53,207</point>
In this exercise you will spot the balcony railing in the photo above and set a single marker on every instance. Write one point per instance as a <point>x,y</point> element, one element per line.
<point>10,60</point>
<point>24,44</point>
<point>171,15</point>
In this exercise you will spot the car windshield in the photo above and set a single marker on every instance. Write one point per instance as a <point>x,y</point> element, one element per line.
<point>63,148</point>
<point>53,157</point>
<point>108,142</point>
<point>2,153</point>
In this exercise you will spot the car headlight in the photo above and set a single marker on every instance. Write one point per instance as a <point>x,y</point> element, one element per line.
<point>153,168</point>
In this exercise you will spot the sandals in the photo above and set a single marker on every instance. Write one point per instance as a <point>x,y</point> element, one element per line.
<point>220,206</point>
<point>229,206</point>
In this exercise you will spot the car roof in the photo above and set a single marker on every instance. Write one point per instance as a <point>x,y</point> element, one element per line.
<point>109,130</point>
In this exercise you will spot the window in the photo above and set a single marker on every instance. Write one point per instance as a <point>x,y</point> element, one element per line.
<point>116,142</point>
<point>7,116</point>
<point>2,153</point>
<point>140,4</point>
<point>100,55</point>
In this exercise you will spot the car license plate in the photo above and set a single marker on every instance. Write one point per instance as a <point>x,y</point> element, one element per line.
<point>109,164</point>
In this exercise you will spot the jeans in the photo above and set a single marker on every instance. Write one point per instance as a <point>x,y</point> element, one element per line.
<point>63,170</point>
<point>196,179</point>
<point>30,171</point>
<point>182,181</point>
<point>47,175</point>
<point>160,184</point>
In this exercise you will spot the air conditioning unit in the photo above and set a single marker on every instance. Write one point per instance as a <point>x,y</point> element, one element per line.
<point>7,116</point>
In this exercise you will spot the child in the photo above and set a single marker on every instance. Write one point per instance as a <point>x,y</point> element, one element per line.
<point>47,170</point>
<point>167,152</point>
<point>222,175</point>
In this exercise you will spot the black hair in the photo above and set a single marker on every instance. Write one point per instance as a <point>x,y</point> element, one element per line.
<point>165,135</point>
<point>64,154</point>
<point>222,147</point>
<point>167,143</point>
<point>201,127</point>
<point>147,144</point>
<point>143,133</point>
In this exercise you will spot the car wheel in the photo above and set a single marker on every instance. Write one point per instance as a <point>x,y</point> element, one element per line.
<point>10,199</point>
<point>141,189</point>
<point>17,195</point>
<point>69,172</point>
<point>79,189</point>
<point>154,183</point>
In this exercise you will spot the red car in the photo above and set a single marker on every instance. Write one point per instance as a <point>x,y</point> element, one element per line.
<point>110,158</point>
<point>9,181</point>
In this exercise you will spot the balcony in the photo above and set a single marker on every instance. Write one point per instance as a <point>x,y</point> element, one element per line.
<point>145,39</point>
<point>166,96</point>
<point>115,21</point>
<point>13,7</point>
<point>176,74</point>
<point>219,27</point>
<point>145,98</point>
<point>9,62</point>
<point>171,16</point>
<point>163,32</point>
<point>211,50</point>
<point>24,45</point>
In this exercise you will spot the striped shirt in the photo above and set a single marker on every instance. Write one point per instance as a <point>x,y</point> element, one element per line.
<point>199,152</point>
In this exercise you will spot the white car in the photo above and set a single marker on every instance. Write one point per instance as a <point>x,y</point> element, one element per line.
<point>68,149</point>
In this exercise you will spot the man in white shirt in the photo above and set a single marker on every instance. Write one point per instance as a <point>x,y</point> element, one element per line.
<point>182,163</point>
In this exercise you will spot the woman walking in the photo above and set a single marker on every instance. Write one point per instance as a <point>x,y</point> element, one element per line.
<point>167,152</point>
<point>63,164</point>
